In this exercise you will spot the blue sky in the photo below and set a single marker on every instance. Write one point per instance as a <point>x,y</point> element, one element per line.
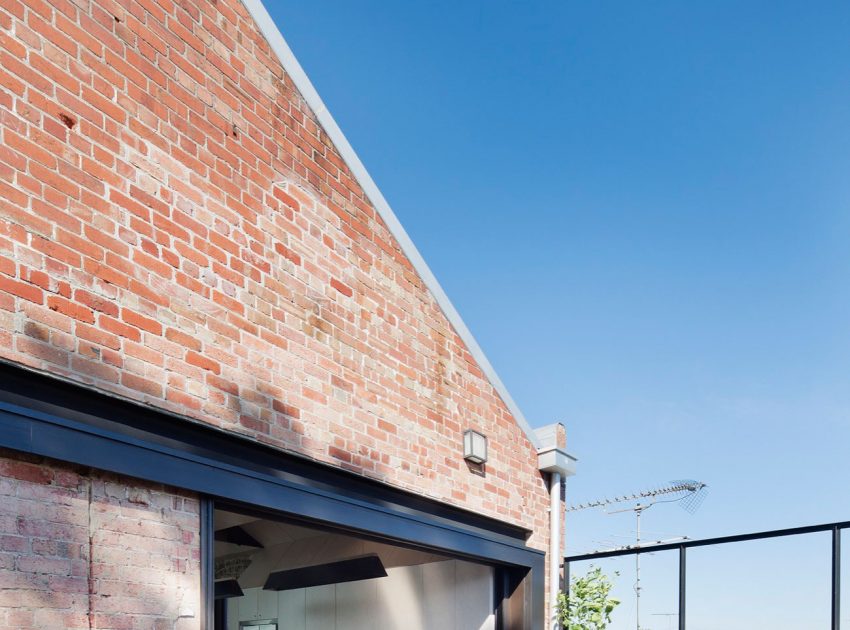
<point>642,211</point>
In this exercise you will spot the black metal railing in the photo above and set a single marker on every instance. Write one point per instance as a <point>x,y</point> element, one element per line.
<point>684,545</point>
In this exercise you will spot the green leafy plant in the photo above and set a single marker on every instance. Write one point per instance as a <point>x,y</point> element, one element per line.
<point>588,606</point>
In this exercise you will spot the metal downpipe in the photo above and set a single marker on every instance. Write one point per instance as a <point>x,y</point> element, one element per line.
<point>554,547</point>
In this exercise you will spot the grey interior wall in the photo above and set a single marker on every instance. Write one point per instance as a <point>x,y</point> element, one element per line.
<point>447,595</point>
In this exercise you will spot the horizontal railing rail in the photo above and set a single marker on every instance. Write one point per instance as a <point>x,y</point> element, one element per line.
<point>704,542</point>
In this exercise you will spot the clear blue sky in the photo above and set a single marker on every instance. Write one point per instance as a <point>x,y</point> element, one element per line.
<point>642,211</point>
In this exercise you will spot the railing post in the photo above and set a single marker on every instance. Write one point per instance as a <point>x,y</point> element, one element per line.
<point>682,586</point>
<point>836,578</point>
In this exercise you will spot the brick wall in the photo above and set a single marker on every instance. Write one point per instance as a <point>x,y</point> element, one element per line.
<point>82,550</point>
<point>146,249</point>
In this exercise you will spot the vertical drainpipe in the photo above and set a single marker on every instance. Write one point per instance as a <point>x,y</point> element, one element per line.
<point>554,545</point>
<point>552,458</point>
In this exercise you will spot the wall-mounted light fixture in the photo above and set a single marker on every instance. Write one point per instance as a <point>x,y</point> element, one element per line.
<point>474,446</point>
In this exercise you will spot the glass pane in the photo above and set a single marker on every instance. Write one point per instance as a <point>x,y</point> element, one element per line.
<point>273,573</point>
<point>779,583</point>
<point>659,583</point>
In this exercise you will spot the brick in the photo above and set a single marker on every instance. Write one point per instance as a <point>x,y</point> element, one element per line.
<point>80,177</point>
<point>106,273</point>
<point>112,325</point>
<point>53,179</point>
<point>40,320</point>
<point>287,253</point>
<point>7,266</point>
<point>22,290</point>
<point>25,471</point>
<point>29,149</point>
<point>106,241</point>
<point>83,246</point>
<point>59,76</point>
<point>141,322</point>
<point>42,351</point>
<point>95,369</point>
<point>104,105</point>
<point>185,340</point>
<point>143,385</point>
<point>24,73</point>
<point>71,309</point>
<point>13,195</point>
<point>98,336</point>
<point>53,35</point>
<point>341,287</point>
<point>193,358</point>
<point>96,302</point>
<point>57,251</point>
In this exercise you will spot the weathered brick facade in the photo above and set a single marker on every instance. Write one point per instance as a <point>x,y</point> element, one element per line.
<point>82,549</point>
<point>147,250</point>
<point>177,229</point>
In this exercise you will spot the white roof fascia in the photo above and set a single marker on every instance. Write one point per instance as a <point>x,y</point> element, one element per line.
<point>287,59</point>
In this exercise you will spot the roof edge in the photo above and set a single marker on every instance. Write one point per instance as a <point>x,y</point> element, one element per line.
<point>287,59</point>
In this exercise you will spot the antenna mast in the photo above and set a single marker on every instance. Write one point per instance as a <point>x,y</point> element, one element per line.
<point>689,494</point>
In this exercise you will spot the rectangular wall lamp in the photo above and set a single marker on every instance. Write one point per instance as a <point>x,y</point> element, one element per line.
<point>474,446</point>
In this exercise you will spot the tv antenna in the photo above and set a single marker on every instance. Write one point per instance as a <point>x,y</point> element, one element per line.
<point>689,494</point>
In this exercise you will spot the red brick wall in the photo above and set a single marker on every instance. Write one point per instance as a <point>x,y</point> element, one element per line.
<point>82,550</point>
<point>145,250</point>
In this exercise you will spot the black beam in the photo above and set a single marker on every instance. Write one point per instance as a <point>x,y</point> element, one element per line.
<point>836,578</point>
<point>704,542</point>
<point>682,585</point>
<point>225,589</point>
<point>237,535</point>
<point>353,570</point>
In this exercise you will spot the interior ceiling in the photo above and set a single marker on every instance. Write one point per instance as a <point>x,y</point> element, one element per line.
<point>288,546</point>
<point>267,533</point>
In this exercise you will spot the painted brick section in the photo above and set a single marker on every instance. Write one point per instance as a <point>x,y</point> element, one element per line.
<point>83,550</point>
<point>147,249</point>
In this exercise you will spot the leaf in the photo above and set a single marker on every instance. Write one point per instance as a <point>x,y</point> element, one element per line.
<point>588,606</point>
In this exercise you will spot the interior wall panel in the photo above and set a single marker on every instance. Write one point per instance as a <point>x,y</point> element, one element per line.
<point>448,595</point>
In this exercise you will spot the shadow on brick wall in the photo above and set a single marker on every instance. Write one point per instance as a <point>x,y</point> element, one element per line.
<point>86,549</point>
<point>242,402</point>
